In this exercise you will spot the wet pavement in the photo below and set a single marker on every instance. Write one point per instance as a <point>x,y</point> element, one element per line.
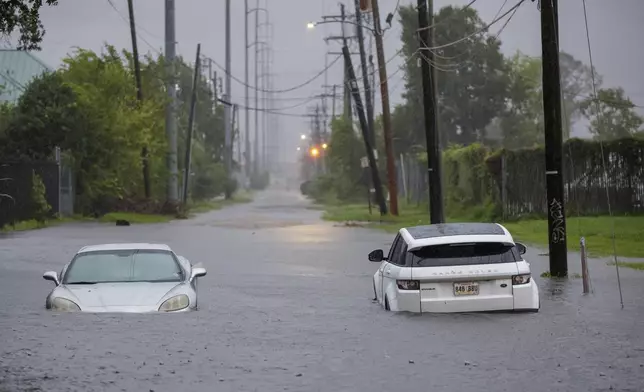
<point>286,306</point>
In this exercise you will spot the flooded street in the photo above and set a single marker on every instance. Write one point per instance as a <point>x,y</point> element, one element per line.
<point>286,306</point>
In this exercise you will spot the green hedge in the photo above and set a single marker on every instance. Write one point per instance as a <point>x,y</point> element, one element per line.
<point>473,179</point>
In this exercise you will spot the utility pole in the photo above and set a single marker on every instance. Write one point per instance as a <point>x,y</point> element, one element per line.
<point>191,120</point>
<point>347,92</point>
<point>335,93</point>
<point>425,19</point>
<point>348,112</point>
<point>553,138</point>
<point>172,190</point>
<point>365,75</point>
<point>247,152</point>
<point>228,147</point>
<point>236,132</point>
<point>139,96</point>
<point>256,159</point>
<point>333,96</point>
<point>386,115</point>
<point>355,91</point>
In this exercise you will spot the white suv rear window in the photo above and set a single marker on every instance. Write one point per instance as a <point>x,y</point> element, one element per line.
<point>464,254</point>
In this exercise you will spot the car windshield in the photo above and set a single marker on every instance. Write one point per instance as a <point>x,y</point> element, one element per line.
<point>123,266</point>
<point>464,254</point>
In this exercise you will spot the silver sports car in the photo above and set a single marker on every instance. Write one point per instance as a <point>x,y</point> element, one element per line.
<point>133,278</point>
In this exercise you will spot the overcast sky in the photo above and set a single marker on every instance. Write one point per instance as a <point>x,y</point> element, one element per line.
<point>299,54</point>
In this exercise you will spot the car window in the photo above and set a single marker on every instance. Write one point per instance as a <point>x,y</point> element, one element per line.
<point>401,256</point>
<point>124,266</point>
<point>397,254</point>
<point>464,254</point>
<point>397,239</point>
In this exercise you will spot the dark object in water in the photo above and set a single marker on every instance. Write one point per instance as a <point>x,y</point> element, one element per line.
<point>305,188</point>
<point>122,222</point>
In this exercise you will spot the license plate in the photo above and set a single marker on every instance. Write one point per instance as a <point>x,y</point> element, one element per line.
<point>466,288</point>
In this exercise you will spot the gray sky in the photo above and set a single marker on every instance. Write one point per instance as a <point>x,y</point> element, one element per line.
<point>615,27</point>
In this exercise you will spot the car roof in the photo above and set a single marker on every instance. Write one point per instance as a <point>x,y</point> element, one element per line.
<point>454,233</point>
<point>124,246</point>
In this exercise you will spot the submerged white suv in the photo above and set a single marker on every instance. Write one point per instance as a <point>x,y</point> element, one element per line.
<point>454,267</point>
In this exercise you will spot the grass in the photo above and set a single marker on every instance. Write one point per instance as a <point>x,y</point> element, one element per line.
<point>132,217</point>
<point>597,230</point>
<point>216,204</point>
<point>630,264</point>
<point>25,225</point>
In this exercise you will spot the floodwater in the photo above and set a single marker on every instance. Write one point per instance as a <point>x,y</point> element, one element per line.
<point>286,306</point>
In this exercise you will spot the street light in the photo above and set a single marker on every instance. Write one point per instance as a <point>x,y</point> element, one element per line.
<point>324,146</point>
<point>315,152</point>
<point>312,25</point>
<point>299,148</point>
<point>303,137</point>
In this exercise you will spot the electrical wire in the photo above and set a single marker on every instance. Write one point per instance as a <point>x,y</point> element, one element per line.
<point>127,20</point>
<point>482,30</point>
<point>286,90</point>
<point>601,146</point>
<point>458,66</point>
<point>266,110</point>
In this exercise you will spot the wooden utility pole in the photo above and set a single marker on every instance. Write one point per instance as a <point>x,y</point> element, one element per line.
<point>364,127</point>
<point>139,96</point>
<point>386,115</point>
<point>191,120</point>
<point>365,75</point>
<point>347,92</point>
<point>228,123</point>
<point>553,138</point>
<point>426,40</point>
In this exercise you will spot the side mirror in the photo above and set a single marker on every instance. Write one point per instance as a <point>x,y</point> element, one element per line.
<point>197,272</point>
<point>520,247</point>
<point>377,256</point>
<point>51,275</point>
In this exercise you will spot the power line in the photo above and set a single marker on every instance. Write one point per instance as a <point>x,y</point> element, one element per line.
<point>309,81</point>
<point>482,30</point>
<point>601,147</point>
<point>126,20</point>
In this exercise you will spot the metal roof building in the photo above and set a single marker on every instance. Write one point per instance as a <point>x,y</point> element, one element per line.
<point>17,69</point>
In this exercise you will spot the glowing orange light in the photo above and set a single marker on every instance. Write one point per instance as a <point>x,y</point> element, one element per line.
<point>315,152</point>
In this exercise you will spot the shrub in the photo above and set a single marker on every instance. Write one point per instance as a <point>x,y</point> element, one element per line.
<point>209,182</point>
<point>41,209</point>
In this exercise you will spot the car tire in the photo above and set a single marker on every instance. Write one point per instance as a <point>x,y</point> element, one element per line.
<point>387,304</point>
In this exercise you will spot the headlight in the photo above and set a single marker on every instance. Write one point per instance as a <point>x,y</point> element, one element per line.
<point>175,303</point>
<point>64,305</point>
<point>520,279</point>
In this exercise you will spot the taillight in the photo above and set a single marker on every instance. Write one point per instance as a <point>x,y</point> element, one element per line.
<point>520,279</point>
<point>408,284</point>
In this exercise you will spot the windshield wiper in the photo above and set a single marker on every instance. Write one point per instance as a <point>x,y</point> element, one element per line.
<point>81,282</point>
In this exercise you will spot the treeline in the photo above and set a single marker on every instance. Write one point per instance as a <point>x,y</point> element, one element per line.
<point>489,106</point>
<point>89,109</point>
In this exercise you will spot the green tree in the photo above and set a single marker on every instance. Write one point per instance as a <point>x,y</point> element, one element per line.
<point>521,124</point>
<point>345,176</point>
<point>576,85</point>
<point>39,206</point>
<point>24,16</point>
<point>612,115</point>
<point>46,115</point>
<point>471,80</point>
